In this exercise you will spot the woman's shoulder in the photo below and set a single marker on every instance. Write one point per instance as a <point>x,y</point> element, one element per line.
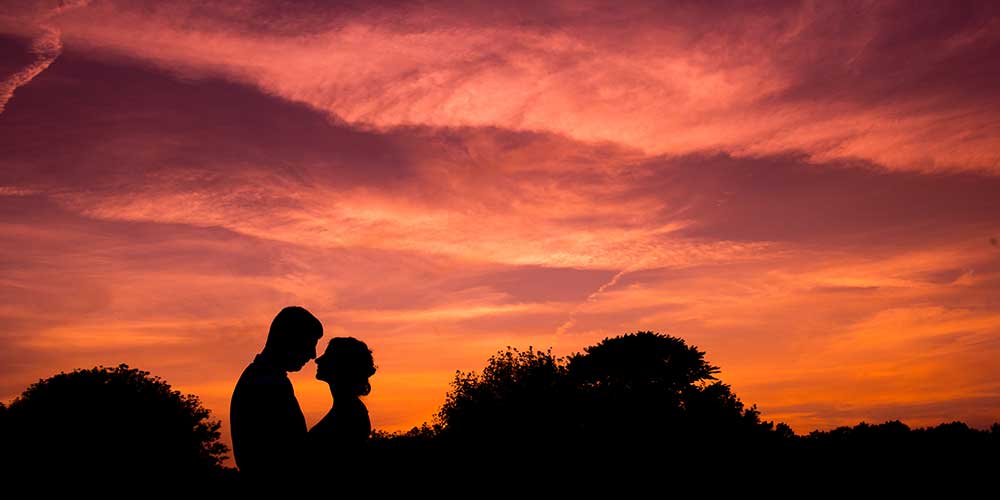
<point>345,413</point>
<point>357,416</point>
<point>351,407</point>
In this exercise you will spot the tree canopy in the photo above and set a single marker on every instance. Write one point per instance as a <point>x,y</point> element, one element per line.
<point>520,395</point>
<point>625,396</point>
<point>110,425</point>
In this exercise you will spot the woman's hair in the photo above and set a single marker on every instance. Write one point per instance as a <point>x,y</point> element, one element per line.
<point>351,364</point>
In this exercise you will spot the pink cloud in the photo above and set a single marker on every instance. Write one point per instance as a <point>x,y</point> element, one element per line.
<point>888,83</point>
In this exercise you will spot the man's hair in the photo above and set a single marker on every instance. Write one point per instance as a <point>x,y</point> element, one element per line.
<point>292,321</point>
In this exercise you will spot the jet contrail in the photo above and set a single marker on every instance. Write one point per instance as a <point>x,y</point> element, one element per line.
<point>46,47</point>
<point>590,298</point>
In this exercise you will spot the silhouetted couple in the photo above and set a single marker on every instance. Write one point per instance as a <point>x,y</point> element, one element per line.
<point>271,445</point>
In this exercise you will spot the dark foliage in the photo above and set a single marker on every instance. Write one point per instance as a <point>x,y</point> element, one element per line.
<point>634,390</point>
<point>109,428</point>
<point>948,447</point>
<point>649,391</point>
<point>520,397</point>
<point>637,413</point>
<point>646,410</point>
<point>642,399</point>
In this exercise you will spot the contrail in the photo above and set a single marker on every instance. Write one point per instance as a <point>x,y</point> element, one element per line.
<point>590,298</point>
<point>46,47</point>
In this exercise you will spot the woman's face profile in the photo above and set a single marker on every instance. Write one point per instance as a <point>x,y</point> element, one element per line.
<point>348,363</point>
<point>323,366</point>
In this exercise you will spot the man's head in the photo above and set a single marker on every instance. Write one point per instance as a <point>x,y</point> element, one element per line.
<point>293,337</point>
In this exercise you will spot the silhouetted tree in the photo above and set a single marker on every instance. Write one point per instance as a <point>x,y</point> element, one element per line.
<point>106,428</point>
<point>641,360</point>
<point>637,386</point>
<point>651,396</point>
<point>642,397</point>
<point>520,395</point>
<point>509,419</point>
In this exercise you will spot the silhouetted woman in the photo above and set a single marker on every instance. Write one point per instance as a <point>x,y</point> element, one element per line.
<point>338,441</point>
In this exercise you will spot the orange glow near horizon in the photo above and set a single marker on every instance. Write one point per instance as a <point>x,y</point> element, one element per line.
<point>807,192</point>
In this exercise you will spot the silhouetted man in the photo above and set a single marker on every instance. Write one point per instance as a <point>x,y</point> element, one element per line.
<point>269,430</point>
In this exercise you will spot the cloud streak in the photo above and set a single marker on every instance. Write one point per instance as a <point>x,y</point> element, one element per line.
<point>45,48</point>
<point>797,76</point>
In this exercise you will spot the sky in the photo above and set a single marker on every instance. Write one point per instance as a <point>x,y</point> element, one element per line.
<point>809,192</point>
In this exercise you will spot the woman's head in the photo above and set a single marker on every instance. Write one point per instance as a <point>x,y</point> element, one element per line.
<point>346,366</point>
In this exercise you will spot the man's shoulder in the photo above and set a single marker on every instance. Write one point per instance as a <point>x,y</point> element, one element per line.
<point>257,379</point>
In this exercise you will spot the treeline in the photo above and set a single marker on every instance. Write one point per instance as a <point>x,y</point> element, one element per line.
<point>648,408</point>
<point>642,410</point>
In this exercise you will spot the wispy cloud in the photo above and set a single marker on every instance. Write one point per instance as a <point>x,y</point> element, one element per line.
<point>45,47</point>
<point>666,80</point>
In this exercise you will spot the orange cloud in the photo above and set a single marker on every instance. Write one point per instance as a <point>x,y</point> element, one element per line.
<point>803,78</point>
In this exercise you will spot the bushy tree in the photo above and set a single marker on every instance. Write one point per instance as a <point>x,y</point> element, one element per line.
<point>651,392</point>
<point>640,361</point>
<point>519,396</point>
<point>108,427</point>
<point>641,384</point>
<point>635,397</point>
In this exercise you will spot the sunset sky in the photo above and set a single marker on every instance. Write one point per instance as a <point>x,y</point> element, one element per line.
<point>807,191</point>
